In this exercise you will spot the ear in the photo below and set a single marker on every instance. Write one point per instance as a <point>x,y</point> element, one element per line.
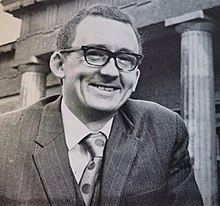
<point>136,81</point>
<point>56,64</point>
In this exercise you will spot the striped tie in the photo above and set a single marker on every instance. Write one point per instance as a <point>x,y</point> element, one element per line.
<point>95,144</point>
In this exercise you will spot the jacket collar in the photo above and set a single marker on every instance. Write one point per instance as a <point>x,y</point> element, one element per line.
<point>120,153</point>
<point>52,162</point>
<point>51,158</point>
<point>51,125</point>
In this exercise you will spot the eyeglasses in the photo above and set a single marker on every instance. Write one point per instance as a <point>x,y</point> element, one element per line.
<point>96,56</point>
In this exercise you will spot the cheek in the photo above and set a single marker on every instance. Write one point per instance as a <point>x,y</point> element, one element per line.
<point>129,80</point>
<point>72,63</point>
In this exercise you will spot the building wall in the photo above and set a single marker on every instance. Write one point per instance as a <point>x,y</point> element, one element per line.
<point>217,64</point>
<point>160,72</point>
<point>9,82</point>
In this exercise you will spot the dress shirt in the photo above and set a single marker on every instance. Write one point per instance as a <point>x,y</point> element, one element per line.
<point>75,131</point>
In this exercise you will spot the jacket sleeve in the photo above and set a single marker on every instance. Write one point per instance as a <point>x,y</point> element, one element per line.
<point>182,187</point>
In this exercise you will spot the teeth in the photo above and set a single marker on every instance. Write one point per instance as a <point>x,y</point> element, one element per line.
<point>108,89</point>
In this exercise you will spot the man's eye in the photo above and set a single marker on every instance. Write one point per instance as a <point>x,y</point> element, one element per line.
<point>96,56</point>
<point>95,53</point>
<point>126,59</point>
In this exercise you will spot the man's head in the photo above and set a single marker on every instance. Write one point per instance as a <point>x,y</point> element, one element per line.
<point>97,58</point>
<point>67,33</point>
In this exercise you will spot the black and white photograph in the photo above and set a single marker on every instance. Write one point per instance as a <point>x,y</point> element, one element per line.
<point>109,103</point>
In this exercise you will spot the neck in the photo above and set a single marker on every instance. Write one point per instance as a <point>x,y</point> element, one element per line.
<point>97,120</point>
<point>93,119</point>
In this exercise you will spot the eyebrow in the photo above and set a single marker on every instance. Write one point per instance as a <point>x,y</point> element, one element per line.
<point>103,46</point>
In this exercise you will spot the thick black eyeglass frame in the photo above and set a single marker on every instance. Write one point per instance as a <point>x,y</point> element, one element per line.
<point>108,52</point>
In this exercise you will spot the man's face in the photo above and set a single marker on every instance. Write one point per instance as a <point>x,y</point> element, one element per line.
<point>102,88</point>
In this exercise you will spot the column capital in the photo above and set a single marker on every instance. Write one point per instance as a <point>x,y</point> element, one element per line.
<point>33,67</point>
<point>195,26</point>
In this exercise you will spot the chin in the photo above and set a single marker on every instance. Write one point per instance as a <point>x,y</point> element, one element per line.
<point>104,108</point>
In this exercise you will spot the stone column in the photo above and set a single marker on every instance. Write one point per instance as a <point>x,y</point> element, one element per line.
<point>198,106</point>
<point>33,82</point>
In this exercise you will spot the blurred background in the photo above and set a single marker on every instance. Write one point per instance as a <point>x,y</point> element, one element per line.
<point>10,27</point>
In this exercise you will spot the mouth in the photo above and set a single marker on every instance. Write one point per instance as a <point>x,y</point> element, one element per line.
<point>107,88</point>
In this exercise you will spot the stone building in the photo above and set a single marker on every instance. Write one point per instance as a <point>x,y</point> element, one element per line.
<point>181,69</point>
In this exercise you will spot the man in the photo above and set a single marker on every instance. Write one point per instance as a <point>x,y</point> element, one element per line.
<point>46,157</point>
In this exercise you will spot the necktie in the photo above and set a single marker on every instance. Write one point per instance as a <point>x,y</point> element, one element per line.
<point>95,144</point>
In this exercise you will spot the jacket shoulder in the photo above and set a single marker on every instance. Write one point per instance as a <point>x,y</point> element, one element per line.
<point>14,118</point>
<point>160,121</point>
<point>140,108</point>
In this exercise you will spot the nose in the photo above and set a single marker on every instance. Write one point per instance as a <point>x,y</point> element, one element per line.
<point>110,69</point>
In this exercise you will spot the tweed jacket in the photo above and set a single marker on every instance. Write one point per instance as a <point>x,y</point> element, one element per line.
<point>145,160</point>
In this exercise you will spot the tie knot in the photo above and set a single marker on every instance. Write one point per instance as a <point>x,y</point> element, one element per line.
<point>95,144</point>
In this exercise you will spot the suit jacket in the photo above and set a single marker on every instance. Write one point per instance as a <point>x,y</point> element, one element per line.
<point>145,160</point>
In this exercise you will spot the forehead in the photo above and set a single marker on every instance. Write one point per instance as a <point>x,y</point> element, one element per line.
<point>113,34</point>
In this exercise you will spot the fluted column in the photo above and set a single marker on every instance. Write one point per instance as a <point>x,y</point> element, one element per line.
<point>198,107</point>
<point>33,83</point>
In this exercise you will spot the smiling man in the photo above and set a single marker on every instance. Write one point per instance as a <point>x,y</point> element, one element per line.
<point>99,71</point>
<point>93,145</point>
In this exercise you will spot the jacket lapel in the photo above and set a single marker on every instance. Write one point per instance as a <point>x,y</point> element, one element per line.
<point>120,153</point>
<point>51,159</point>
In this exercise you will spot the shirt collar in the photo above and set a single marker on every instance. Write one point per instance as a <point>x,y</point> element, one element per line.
<point>75,130</point>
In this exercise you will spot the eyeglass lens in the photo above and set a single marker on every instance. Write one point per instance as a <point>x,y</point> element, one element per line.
<point>99,57</point>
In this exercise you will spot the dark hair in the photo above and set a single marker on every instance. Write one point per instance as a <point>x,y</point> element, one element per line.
<point>67,33</point>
